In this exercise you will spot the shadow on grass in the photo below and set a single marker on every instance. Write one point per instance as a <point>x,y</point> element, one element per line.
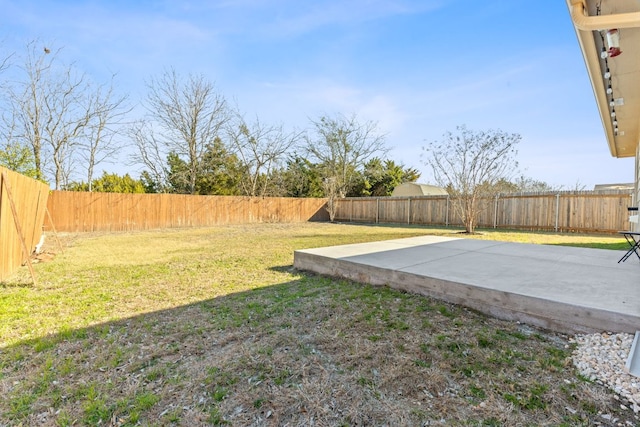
<point>96,374</point>
<point>285,269</point>
<point>16,285</point>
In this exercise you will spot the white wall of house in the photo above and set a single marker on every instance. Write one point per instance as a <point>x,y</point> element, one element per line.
<point>635,226</point>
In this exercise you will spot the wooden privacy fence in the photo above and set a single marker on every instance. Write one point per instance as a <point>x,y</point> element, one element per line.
<point>557,211</point>
<point>23,203</point>
<point>73,211</point>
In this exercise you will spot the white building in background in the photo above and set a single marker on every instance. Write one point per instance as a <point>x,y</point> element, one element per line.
<point>415,189</point>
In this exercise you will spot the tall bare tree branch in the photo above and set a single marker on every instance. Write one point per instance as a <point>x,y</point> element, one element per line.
<point>60,115</point>
<point>191,115</point>
<point>261,148</point>
<point>342,145</point>
<point>149,153</point>
<point>107,113</point>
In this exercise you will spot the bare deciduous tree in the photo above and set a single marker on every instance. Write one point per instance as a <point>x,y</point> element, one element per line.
<point>14,154</point>
<point>27,105</point>
<point>191,114</point>
<point>66,116</point>
<point>469,165</point>
<point>57,113</point>
<point>4,64</point>
<point>99,144</point>
<point>341,146</point>
<point>261,149</point>
<point>150,154</point>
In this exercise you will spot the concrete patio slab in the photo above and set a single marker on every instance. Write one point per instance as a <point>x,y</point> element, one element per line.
<point>561,288</point>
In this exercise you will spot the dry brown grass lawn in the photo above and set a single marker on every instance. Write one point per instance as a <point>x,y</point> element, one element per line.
<point>214,327</point>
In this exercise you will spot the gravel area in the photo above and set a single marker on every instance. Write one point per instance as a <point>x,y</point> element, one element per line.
<point>602,359</point>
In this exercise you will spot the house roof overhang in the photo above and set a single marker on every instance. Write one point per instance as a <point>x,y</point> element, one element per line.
<point>591,20</point>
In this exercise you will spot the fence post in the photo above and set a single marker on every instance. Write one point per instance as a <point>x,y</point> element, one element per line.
<point>409,210</point>
<point>377,210</point>
<point>446,213</point>
<point>495,212</point>
<point>557,210</point>
<point>351,211</point>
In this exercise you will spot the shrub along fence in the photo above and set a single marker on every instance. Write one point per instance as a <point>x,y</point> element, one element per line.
<point>23,204</point>
<point>73,211</point>
<point>583,211</point>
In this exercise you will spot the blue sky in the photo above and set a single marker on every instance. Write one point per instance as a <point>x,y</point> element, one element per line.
<point>417,67</point>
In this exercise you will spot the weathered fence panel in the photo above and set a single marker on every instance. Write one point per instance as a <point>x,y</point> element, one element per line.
<point>392,212</point>
<point>583,211</point>
<point>534,211</point>
<point>434,210</point>
<point>73,211</point>
<point>29,198</point>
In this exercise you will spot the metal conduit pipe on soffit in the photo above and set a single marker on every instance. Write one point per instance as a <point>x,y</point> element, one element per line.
<point>584,22</point>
